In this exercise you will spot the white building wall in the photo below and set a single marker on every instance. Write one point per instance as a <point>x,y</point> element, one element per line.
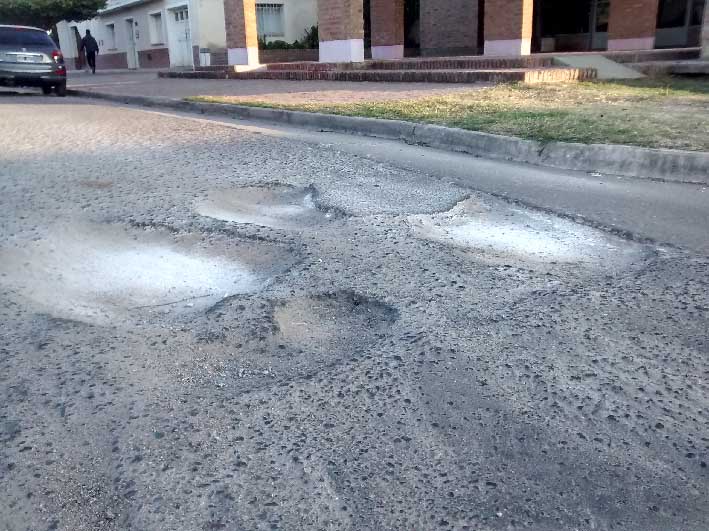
<point>300,15</point>
<point>206,23</point>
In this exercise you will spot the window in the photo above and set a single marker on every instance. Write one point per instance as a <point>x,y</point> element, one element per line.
<point>269,20</point>
<point>13,36</point>
<point>155,28</point>
<point>181,15</point>
<point>697,14</point>
<point>110,43</point>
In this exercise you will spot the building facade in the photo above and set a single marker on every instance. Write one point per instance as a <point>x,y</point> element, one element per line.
<point>188,33</point>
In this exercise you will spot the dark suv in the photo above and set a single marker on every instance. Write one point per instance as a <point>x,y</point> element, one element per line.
<point>30,58</point>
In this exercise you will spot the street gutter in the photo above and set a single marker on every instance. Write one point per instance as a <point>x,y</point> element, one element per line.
<point>645,163</point>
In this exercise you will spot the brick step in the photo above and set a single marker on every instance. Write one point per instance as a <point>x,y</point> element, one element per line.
<point>436,63</point>
<point>511,75</point>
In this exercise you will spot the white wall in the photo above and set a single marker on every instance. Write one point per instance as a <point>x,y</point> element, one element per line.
<point>212,33</point>
<point>299,16</point>
<point>99,31</point>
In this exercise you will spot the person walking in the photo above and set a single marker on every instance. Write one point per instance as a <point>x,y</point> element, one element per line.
<point>89,44</point>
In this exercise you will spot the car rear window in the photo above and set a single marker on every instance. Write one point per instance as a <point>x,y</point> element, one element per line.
<point>24,37</point>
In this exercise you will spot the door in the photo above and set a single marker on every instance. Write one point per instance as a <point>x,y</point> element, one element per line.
<point>131,49</point>
<point>180,41</point>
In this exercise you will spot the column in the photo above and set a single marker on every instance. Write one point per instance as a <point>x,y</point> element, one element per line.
<point>632,24</point>
<point>241,36</point>
<point>705,32</point>
<point>341,27</point>
<point>508,27</point>
<point>387,19</point>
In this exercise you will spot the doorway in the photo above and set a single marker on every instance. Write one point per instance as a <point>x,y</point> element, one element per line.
<point>131,48</point>
<point>679,23</point>
<point>180,38</point>
<point>563,26</point>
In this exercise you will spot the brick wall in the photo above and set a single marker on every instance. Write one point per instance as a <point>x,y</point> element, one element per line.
<point>632,19</point>
<point>156,58</point>
<point>509,19</point>
<point>240,23</point>
<point>340,20</point>
<point>387,22</point>
<point>448,27</point>
<point>110,61</point>
<point>287,56</point>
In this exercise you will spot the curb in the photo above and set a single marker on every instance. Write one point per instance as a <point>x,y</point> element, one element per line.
<point>648,163</point>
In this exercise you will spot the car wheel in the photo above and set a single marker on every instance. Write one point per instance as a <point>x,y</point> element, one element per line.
<point>46,90</point>
<point>60,90</point>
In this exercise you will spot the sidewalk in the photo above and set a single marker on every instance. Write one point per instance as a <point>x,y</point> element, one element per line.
<point>127,83</point>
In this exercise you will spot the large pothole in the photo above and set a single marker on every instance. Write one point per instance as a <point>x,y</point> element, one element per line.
<point>276,206</point>
<point>498,231</point>
<point>100,273</point>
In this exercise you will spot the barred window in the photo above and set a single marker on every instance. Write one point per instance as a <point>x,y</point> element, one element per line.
<point>269,20</point>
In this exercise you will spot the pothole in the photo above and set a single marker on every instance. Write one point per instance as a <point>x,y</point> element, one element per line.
<point>99,273</point>
<point>500,232</point>
<point>276,206</point>
<point>332,323</point>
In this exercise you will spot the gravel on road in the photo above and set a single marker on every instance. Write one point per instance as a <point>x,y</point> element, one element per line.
<point>210,328</point>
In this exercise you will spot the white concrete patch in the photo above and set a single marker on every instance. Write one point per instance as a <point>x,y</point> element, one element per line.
<point>101,273</point>
<point>644,43</point>
<point>345,51</point>
<point>501,232</point>
<point>280,207</point>
<point>243,56</point>
<point>388,52</point>
<point>605,68</point>
<point>512,47</point>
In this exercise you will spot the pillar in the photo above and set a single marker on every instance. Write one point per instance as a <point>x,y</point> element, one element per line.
<point>241,36</point>
<point>449,27</point>
<point>705,32</point>
<point>387,20</point>
<point>632,24</point>
<point>508,27</point>
<point>341,29</point>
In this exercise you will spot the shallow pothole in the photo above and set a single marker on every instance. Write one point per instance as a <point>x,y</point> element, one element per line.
<point>333,321</point>
<point>499,231</point>
<point>275,206</point>
<point>100,273</point>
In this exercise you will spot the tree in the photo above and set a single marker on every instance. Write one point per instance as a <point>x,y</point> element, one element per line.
<point>46,13</point>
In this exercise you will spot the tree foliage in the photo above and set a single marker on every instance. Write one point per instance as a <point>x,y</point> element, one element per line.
<point>46,13</point>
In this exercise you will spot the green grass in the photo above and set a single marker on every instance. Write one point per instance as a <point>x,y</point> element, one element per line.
<point>666,113</point>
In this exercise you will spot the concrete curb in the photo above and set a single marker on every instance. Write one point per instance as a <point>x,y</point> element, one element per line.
<point>661,164</point>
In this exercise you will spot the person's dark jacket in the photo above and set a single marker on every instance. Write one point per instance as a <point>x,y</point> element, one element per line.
<point>89,44</point>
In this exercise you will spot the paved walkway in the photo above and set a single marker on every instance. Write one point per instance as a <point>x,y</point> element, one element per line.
<point>148,84</point>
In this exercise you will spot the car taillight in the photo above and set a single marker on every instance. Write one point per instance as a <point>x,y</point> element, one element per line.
<point>58,57</point>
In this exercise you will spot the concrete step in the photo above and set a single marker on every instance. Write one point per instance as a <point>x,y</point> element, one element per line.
<point>510,75</point>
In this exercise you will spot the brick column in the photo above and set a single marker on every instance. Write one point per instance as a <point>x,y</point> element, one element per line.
<point>387,18</point>
<point>632,24</point>
<point>449,27</point>
<point>341,27</point>
<point>508,27</point>
<point>705,32</point>
<point>241,36</point>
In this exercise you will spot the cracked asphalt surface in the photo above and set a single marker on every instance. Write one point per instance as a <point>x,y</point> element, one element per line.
<point>208,326</point>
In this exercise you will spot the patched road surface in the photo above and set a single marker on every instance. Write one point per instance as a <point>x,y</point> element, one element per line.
<point>207,326</point>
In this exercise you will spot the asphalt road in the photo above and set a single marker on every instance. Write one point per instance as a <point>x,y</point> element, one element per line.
<point>218,325</point>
